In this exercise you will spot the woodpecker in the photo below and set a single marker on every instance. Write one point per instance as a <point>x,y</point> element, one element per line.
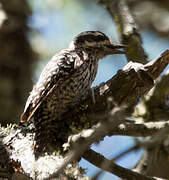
<point>66,78</point>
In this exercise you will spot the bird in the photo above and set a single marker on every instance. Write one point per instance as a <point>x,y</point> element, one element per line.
<point>64,81</point>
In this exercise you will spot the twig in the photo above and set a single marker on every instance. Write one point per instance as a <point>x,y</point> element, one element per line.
<point>128,85</point>
<point>139,129</point>
<point>129,32</point>
<point>153,143</point>
<point>155,152</point>
<point>108,165</point>
<point>82,143</point>
<point>133,148</point>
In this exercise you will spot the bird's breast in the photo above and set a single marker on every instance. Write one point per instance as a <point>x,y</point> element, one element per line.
<point>71,89</point>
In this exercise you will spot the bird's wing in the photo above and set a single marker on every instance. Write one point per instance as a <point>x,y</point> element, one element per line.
<point>60,66</point>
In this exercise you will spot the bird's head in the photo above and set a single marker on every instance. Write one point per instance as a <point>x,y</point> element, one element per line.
<point>98,42</point>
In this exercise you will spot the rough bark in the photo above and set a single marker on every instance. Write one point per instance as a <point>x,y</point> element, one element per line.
<point>124,89</point>
<point>18,142</point>
<point>155,106</point>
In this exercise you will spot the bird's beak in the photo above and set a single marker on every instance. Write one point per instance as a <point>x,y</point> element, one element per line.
<point>116,49</point>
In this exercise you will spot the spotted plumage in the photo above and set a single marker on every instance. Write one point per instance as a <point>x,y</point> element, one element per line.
<point>64,81</point>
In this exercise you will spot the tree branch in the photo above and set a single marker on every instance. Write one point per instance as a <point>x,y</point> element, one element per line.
<point>109,165</point>
<point>129,84</point>
<point>81,143</point>
<point>129,32</point>
<point>157,103</point>
<point>139,129</point>
<point>125,88</point>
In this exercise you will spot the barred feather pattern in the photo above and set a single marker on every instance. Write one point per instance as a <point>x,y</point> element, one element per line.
<point>63,82</point>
